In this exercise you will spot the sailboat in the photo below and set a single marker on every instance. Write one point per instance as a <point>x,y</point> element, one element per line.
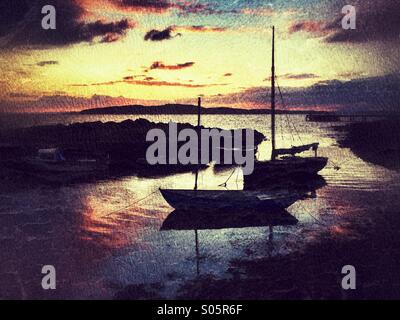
<point>233,200</point>
<point>222,200</point>
<point>285,166</point>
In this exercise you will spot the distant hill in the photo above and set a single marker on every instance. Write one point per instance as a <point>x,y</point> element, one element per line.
<point>181,109</point>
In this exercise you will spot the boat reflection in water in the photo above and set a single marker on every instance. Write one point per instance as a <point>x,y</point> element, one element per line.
<point>234,217</point>
<point>185,220</point>
<point>228,219</point>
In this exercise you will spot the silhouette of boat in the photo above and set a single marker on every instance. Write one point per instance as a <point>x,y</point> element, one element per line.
<point>284,163</point>
<point>144,170</point>
<point>51,165</point>
<point>226,219</point>
<point>219,200</point>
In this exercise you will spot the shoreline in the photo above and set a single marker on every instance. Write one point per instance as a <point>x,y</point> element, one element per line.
<point>123,144</point>
<point>376,142</point>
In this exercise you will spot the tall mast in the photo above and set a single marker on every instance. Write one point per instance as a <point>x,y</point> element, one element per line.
<point>199,142</point>
<point>273,96</point>
<point>198,112</point>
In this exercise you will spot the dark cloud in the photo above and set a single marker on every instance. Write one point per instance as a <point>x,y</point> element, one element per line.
<point>296,76</point>
<point>299,76</point>
<point>182,7</point>
<point>144,5</point>
<point>199,28</point>
<point>161,66</point>
<point>168,33</point>
<point>148,81</point>
<point>351,74</point>
<point>157,83</point>
<point>363,94</point>
<point>21,95</point>
<point>376,20</point>
<point>46,63</point>
<point>310,26</point>
<point>12,12</point>
<point>24,27</point>
<point>195,7</point>
<point>157,35</point>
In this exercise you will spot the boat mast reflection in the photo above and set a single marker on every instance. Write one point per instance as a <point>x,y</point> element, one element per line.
<point>184,221</point>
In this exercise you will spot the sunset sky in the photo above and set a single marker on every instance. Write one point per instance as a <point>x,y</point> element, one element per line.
<point>117,52</point>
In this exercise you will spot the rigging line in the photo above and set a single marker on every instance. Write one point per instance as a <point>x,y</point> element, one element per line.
<point>281,130</point>
<point>285,116</point>
<point>130,205</point>
<point>281,124</point>
<point>283,102</point>
<point>290,128</point>
<point>337,166</point>
<point>227,180</point>
<point>291,124</point>
<point>319,221</point>
<point>311,215</point>
<point>312,101</point>
<point>288,124</point>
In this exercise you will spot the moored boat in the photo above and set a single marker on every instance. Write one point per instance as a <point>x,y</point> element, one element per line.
<point>237,200</point>
<point>284,164</point>
<point>50,165</point>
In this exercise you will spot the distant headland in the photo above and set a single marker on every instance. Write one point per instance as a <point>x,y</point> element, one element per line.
<point>183,109</point>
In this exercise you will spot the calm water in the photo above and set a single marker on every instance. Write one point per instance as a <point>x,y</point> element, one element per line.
<point>106,235</point>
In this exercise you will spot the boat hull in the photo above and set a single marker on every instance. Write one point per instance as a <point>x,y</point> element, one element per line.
<point>210,200</point>
<point>60,172</point>
<point>284,171</point>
